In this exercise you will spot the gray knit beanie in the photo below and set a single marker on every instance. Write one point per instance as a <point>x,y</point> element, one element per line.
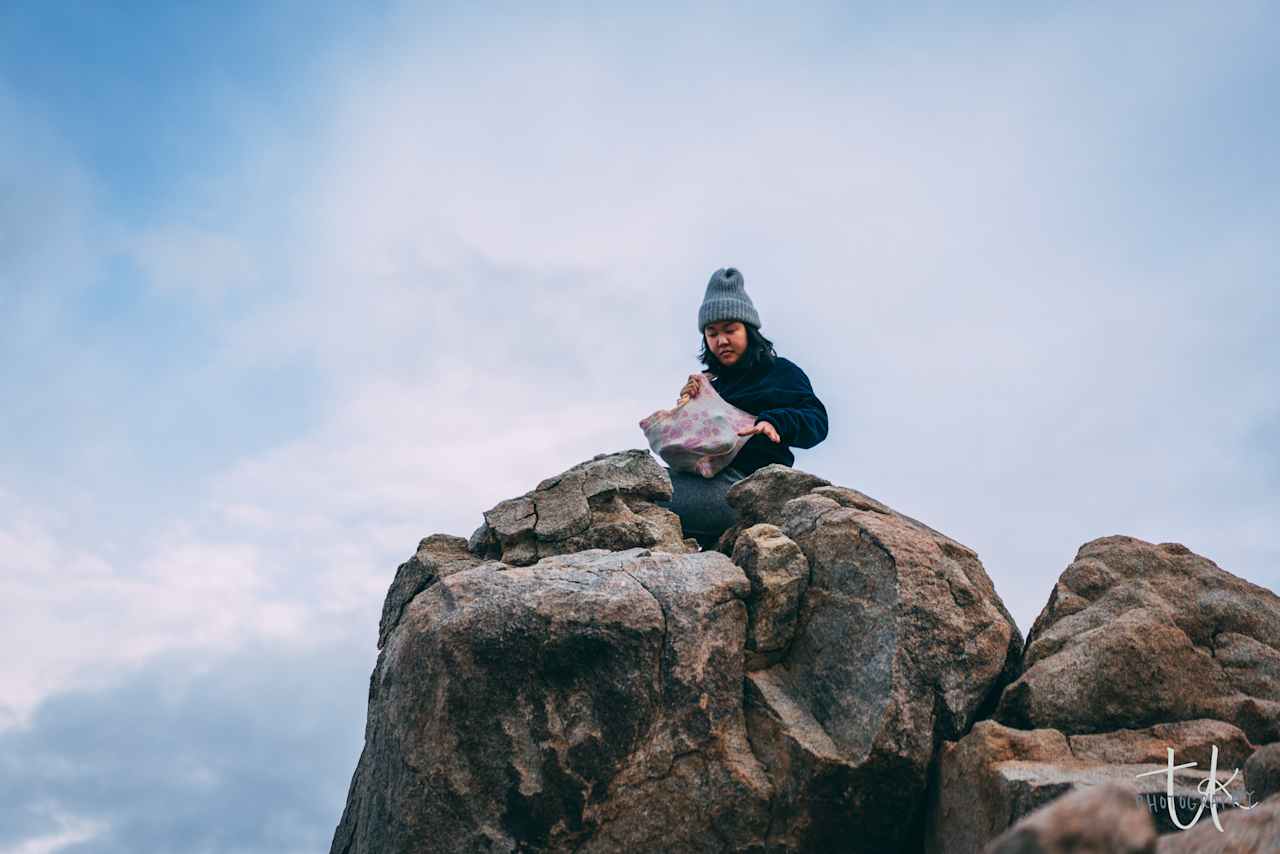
<point>726,300</point>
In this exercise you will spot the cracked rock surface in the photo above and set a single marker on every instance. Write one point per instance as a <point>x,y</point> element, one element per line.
<point>900,642</point>
<point>1141,648</point>
<point>605,502</point>
<point>996,775</point>
<point>578,677</point>
<point>1137,633</point>
<point>588,702</point>
<point>1100,818</point>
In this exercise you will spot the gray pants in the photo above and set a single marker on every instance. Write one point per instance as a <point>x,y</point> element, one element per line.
<point>699,502</point>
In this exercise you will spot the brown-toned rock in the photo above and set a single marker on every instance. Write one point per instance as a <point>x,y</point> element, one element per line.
<point>575,677</point>
<point>1262,772</point>
<point>438,555</point>
<point>779,574</point>
<point>1192,741</point>
<point>995,775</point>
<point>761,497</point>
<point>1101,819</point>
<point>901,642</point>
<point>1136,634</point>
<point>988,780</point>
<point>589,702</point>
<point>605,502</point>
<point>1244,831</point>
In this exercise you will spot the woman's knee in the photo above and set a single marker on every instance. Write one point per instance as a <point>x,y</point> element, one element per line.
<point>700,504</point>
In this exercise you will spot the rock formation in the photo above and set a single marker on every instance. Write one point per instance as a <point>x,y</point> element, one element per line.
<point>1141,648</point>
<point>900,642</point>
<point>1262,772</point>
<point>1105,819</point>
<point>605,502</point>
<point>1255,831</point>
<point>578,676</point>
<point>1136,634</point>
<point>996,775</point>
<point>1101,818</point>
<point>835,676</point>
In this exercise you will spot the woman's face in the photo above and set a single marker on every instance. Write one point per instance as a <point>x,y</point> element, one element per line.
<point>727,339</point>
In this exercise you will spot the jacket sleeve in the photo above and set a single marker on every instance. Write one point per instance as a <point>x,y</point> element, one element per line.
<point>799,417</point>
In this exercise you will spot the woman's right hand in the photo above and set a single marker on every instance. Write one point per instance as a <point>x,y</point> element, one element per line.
<point>689,391</point>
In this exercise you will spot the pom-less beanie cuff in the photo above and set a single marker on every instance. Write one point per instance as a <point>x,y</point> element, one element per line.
<point>726,299</point>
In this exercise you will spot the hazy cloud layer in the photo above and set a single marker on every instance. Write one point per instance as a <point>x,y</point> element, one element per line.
<point>247,752</point>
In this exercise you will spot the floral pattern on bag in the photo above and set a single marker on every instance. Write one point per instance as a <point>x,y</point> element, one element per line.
<point>699,435</point>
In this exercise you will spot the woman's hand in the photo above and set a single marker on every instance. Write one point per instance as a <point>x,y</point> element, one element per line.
<point>689,391</point>
<point>761,427</point>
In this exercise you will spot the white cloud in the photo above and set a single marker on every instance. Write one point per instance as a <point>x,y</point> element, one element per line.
<point>485,246</point>
<point>72,830</point>
<point>949,248</point>
<point>77,618</point>
<point>494,266</point>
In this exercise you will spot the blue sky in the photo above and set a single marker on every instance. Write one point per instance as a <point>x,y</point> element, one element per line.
<point>285,287</point>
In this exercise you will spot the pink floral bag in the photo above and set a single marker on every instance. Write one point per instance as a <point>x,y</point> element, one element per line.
<point>699,435</point>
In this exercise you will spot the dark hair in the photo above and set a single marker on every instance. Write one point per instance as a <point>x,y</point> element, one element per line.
<point>760,352</point>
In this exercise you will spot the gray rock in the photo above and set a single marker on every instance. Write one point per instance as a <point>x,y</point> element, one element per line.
<point>1136,634</point>
<point>1192,741</point>
<point>605,502</point>
<point>901,642</point>
<point>779,574</point>
<point>1262,772</point>
<point>575,679</point>
<point>589,702</point>
<point>438,555</point>
<point>996,775</point>
<point>1244,831</point>
<point>1102,819</point>
<point>761,497</point>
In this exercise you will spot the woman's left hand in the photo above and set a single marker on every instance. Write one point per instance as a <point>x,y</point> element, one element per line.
<point>761,427</point>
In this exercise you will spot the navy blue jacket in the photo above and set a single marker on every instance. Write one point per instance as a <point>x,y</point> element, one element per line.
<point>781,395</point>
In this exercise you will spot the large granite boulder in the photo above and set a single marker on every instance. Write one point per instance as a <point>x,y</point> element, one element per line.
<point>576,677</point>
<point>1141,648</point>
<point>1136,634</point>
<point>589,702</point>
<point>900,642</point>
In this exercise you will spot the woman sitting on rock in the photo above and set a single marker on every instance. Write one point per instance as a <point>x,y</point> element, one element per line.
<point>747,373</point>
